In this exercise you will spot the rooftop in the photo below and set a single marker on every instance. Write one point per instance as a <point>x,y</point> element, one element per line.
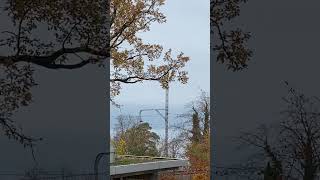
<point>127,164</point>
<point>130,159</point>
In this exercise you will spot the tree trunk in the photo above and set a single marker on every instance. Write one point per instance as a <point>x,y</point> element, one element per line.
<point>309,167</point>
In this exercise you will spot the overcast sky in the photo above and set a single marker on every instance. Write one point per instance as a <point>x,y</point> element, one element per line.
<point>186,30</point>
<point>285,43</point>
<point>69,109</point>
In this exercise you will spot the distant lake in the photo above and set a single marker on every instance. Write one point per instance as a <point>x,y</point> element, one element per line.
<point>152,117</point>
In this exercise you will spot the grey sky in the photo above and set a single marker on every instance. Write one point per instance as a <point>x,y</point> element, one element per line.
<point>187,30</point>
<point>69,110</point>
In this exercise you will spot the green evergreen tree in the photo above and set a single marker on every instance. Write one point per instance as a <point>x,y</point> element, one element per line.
<point>196,130</point>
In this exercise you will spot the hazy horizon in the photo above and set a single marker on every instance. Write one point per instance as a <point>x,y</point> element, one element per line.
<point>190,38</point>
